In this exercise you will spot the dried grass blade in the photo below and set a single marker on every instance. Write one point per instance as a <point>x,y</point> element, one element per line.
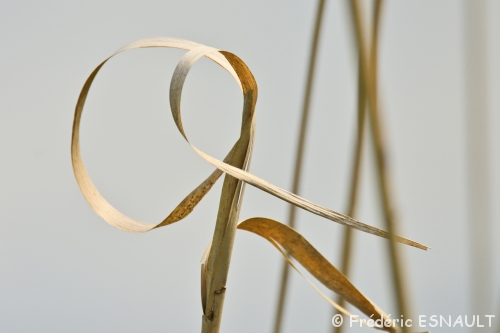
<point>301,250</point>
<point>121,221</point>
<point>235,165</point>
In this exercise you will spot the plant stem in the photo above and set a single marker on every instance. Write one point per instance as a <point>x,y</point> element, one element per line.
<point>478,154</point>
<point>299,158</point>
<point>369,79</point>
<point>217,264</point>
<point>353,188</point>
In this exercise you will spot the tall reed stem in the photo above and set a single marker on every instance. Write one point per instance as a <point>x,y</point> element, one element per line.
<point>369,79</point>
<point>215,271</point>
<point>220,254</point>
<point>299,158</point>
<point>346,255</point>
<point>479,178</point>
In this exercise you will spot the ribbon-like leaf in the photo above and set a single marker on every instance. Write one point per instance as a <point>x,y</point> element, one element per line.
<point>278,234</point>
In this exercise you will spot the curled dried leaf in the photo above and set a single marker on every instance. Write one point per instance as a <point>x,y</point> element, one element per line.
<point>286,238</point>
<point>229,62</point>
<point>278,234</point>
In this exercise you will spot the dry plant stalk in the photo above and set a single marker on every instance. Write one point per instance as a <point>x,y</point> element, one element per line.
<point>346,254</point>
<point>216,264</point>
<point>364,70</point>
<point>368,76</point>
<point>297,174</point>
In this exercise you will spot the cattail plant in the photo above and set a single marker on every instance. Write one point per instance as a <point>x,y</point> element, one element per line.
<point>216,261</point>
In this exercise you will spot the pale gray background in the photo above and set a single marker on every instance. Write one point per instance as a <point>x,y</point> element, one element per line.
<point>63,269</point>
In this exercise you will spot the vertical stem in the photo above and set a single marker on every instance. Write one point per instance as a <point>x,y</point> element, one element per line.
<point>220,252</point>
<point>299,157</point>
<point>478,159</point>
<point>354,187</point>
<point>215,271</point>
<point>346,255</point>
<point>369,78</point>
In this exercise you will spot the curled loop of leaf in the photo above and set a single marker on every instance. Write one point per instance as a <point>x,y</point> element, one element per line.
<point>121,221</point>
<point>274,231</point>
